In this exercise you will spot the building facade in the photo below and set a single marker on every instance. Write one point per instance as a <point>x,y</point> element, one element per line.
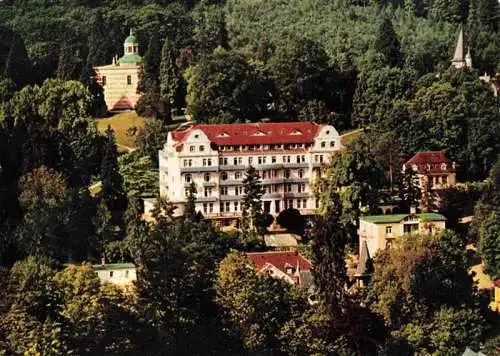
<point>289,266</point>
<point>435,173</point>
<point>379,231</point>
<point>433,168</point>
<point>120,79</point>
<point>122,274</point>
<point>287,156</point>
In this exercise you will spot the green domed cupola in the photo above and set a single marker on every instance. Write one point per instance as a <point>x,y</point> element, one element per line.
<point>131,39</point>
<point>130,50</point>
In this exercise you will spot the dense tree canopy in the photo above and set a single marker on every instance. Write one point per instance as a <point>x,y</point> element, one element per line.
<point>225,87</point>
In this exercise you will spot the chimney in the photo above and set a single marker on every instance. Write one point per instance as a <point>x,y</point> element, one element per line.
<point>413,209</point>
<point>103,260</point>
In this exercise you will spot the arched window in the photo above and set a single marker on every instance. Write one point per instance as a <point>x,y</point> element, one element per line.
<point>129,80</point>
<point>224,176</point>
<point>301,173</point>
<point>187,178</point>
<point>207,177</point>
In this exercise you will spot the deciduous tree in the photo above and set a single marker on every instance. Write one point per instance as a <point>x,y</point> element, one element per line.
<point>224,87</point>
<point>112,181</point>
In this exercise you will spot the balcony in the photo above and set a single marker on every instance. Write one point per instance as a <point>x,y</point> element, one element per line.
<point>297,195</point>
<point>239,167</point>
<point>269,166</point>
<point>308,211</point>
<point>230,182</point>
<point>272,196</point>
<point>209,184</point>
<point>273,181</point>
<point>206,199</point>
<point>199,169</point>
<point>296,165</point>
<point>296,180</point>
<point>228,214</point>
<point>319,165</point>
<point>230,197</point>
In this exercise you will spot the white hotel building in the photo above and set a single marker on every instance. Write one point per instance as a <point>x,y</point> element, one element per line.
<point>287,156</point>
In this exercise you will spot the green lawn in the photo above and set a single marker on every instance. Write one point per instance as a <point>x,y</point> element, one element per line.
<point>349,136</point>
<point>120,123</point>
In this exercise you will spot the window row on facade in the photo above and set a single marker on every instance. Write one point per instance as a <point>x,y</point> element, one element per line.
<point>269,174</point>
<point>238,161</point>
<point>236,206</point>
<point>237,191</point>
<point>104,80</point>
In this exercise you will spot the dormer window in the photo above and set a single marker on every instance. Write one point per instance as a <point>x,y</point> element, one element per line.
<point>202,148</point>
<point>223,134</point>
<point>443,167</point>
<point>323,144</point>
<point>332,143</point>
<point>191,148</point>
<point>259,133</point>
<point>296,132</point>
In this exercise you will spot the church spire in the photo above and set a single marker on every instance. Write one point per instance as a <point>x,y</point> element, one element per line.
<point>458,60</point>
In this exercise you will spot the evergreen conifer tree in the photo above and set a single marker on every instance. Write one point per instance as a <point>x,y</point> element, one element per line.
<point>252,202</point>
<point>88,78</point>
<point>409,190</point>
<point>17,65</point>
<point>387,43</point>
<point>112,181</point>
<point>345,324</point>
<point>149,75</point>
<point>191,202</point>
<point>329,241</point>
<point>69,65</point>
<point>169,76</point>
<point>98,48</point>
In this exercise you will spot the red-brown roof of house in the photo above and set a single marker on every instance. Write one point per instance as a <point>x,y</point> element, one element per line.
<point>428,157</point>
<point>255,134</point>
<point>279,259</point>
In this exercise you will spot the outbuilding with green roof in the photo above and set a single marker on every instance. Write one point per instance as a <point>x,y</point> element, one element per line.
<point>379,231</point>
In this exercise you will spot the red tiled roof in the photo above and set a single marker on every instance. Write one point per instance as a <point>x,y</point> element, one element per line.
<point>430,162</point>
<point>279,259</point>
<point>255,134</point>
<point>428,157</point>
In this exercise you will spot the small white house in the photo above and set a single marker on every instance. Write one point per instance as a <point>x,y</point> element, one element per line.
<point>116,273</point>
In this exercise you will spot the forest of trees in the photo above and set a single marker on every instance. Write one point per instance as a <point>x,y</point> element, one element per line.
<point>383,66</point>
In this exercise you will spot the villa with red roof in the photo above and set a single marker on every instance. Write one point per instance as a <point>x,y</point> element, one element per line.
<point>433,165</point>
<point>433,169</point>
<point>290,266</point>
<point>288,157</point>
